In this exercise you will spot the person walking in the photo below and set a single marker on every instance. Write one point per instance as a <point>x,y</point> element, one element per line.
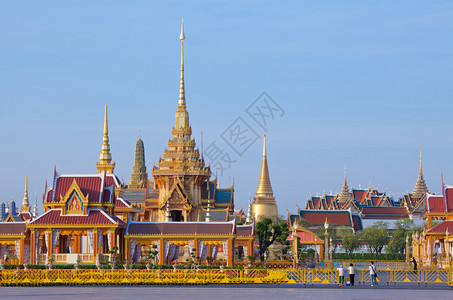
<point>351,270</point>
<point>340,275</point>
<point>414,262</point>
<point>373,274</point>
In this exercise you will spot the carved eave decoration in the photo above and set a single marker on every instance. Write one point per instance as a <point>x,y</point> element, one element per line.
<point>74,202</point>
<point>182,197</point>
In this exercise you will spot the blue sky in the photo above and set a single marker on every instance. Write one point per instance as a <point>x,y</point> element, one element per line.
<point>364,83</point>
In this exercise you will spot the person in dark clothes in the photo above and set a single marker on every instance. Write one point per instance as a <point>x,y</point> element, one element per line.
<point>351,270</point>
<point>415,264</point>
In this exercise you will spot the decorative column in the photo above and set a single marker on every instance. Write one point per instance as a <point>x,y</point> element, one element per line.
<point>331,250</point>
<point>295,253</point>
<point>407,250</point>
<point>32,248</point>
<point>22,246</point>
<point>447,248</point>
<point>162,252</point>
<point>95,244</point>
<point>326,241</point>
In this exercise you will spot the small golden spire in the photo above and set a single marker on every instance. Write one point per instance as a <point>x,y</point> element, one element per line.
<point>264,185</point>
<point>105,159</point>
<point>25,204</point>
<point>420,187</point>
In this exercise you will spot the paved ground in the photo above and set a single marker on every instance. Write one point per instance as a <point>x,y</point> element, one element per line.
<point>232,292</point>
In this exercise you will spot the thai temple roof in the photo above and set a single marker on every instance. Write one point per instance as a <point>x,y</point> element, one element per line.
<point>93,217</point>
<point>442,227</point>
<point>335,218</point>
<point>180,228</point>
<point>13,228</point>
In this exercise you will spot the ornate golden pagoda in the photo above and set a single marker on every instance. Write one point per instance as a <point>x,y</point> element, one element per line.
<point>420,188</point>
<point>181,173</point>
<point>139,177</point>
<point>25,204</point>
<point>345,198</point>
<point>105,159</point>
<point>264,205</point>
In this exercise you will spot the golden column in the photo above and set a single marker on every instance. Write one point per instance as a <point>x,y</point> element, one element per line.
<point>326,239</point>
<point>295,250</point>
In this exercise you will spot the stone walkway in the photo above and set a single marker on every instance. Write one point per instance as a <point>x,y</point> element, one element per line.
<point>222,292</point>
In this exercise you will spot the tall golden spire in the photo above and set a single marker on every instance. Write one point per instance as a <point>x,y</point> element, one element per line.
<point>105,159</point>
<point>420,187</point>
<point>264,185</point>
<point>25,204</point>
<point>182,92</point>
<point>182,116</point>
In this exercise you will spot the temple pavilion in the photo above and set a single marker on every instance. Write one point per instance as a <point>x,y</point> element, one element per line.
<point>79,222</point>
<point>434,246</point>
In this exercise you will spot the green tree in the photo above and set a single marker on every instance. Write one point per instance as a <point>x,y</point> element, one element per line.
<point>403,228</point>
<point>349,240</point>
<point>332,231</point>
<point>269,231</point>
<point>376,236</point>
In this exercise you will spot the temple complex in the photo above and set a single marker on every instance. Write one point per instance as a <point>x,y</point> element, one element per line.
<point>264,205</point>
<point>373,204</point>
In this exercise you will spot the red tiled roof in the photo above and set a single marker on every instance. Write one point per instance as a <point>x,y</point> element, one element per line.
<point>360,195</point>
<point>334,217</point>
<point>94,216</point>
<point>111,179</point>
<point>244,230</point>
<point>180,228</point>
<point>89,185</point>
<point>449,199</point>
<point>26,216</point>
<point>12,228</point>
<point>442,227</point>
<point>122,203</point>
<point>436,203</point>
<point>384,212</point>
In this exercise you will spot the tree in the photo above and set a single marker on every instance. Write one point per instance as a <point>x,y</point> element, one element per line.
<point>349,240</point>
<point>403,227</point>
<point>376,236</point>
<point>269,231</point>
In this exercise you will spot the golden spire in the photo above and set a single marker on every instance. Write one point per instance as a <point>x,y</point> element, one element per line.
<point>345,196</point>
<point>264,185</point>
<point>182,92</point>
<point>420,187</point>
<point>105,159</point>
<point>25,204</point>
<point>182,116</point>
<point>35,208</point>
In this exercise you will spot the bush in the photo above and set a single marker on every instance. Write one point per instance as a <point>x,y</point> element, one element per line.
<point>370,256</point>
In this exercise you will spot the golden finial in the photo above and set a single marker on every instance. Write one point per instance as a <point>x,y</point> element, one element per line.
<point>182,93</point>
<point>105,158</point>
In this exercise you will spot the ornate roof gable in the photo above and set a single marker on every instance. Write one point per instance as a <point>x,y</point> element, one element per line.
<point>75,203</point>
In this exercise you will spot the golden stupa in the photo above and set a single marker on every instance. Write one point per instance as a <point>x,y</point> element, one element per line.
<point>264,205</point>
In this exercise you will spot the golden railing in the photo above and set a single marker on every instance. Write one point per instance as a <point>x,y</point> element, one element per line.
<point>213,276</point>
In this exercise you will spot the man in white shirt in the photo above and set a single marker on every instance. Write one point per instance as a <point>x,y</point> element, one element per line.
<point>340,275</point>
<point>373,274</point>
